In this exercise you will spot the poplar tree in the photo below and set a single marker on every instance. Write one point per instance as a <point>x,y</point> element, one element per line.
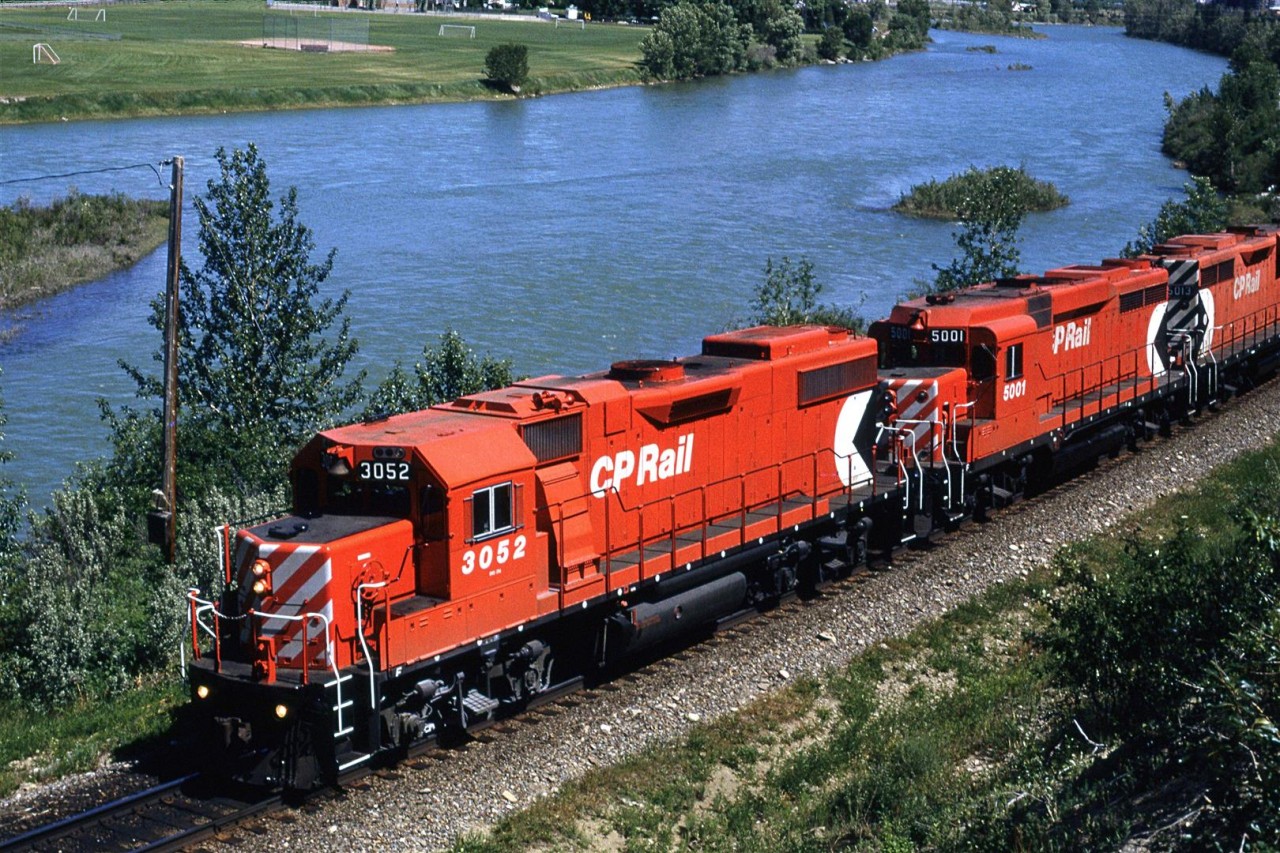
<point>447,371</point>
<point>991,214</point>
<point>262,354</point>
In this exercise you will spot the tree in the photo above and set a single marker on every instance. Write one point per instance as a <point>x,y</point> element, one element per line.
<point>692,40</point>
<point>859,28</point>
<point>789,296</point>
<point>831,43</point>
<point>783,30</point>
<point>262,355</point>
<point>447,371</point>
<point>990,215</point>
<point>1203,212</point>
<point>507,65</point>
<point>917,11</point>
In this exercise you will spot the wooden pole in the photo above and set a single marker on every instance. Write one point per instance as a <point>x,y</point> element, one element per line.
<point>169,476</point>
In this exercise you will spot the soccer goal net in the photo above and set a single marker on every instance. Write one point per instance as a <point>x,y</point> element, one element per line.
<point>43,53</point>
<point>457,30</point>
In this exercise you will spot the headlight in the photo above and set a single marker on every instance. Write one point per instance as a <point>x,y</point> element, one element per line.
<point>261,586</point>
<point>261,568</point>
<point>282,711</point>
<point>202,691</point>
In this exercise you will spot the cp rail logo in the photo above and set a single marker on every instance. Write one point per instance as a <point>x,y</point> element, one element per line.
<point>655,463</point>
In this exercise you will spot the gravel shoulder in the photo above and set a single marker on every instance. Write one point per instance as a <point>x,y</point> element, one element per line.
<point>426,804</point>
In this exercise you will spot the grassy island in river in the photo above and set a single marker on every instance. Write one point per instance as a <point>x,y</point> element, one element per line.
<point>76,239</point>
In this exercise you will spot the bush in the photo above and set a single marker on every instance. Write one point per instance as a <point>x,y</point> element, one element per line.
<point>98,610</point>
<point>1183,596</point>
<point>507,65</point>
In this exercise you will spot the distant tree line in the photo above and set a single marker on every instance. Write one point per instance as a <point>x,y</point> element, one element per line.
<point>699,38</point>
<point>1215,27</point>
<point>1228,136</point>
<point>1008,17</point>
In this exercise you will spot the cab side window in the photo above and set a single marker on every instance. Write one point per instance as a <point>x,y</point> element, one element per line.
<point>1013,361</point>
<point>491,511</point>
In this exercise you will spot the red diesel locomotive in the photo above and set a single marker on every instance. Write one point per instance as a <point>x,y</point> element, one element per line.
<point>447,566</point>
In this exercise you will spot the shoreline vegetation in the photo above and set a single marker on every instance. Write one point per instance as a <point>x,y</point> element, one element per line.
<point>944,199</point>
<point>76,239</point>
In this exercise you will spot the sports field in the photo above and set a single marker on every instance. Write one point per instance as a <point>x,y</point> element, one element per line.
<point>186,56</point>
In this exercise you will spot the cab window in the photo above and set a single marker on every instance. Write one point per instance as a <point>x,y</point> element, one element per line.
<point>1013,361</point>
<point>342,496</point>
<point>491,511</point>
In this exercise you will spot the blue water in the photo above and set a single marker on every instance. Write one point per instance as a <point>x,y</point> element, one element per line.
<point>571,231</point>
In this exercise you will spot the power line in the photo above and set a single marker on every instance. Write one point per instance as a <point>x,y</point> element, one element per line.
<point>104,169</point>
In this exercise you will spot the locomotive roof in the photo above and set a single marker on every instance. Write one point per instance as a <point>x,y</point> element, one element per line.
<point>1058,291</point>
<point>476,435</point>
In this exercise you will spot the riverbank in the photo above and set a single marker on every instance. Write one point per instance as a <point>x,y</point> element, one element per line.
<point>74,240</point>
<point>190,58</point>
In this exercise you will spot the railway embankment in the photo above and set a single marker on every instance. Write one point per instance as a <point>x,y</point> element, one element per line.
<point>702,743</point>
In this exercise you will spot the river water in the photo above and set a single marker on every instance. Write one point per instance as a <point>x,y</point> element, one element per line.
<point>571,231</point>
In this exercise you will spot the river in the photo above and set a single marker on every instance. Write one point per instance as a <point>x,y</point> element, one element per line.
<point>567,232</point>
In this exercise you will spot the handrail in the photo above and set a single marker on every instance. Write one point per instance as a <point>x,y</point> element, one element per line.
<point>364,646</point>
<point>915,456</point>
<point>200,605</point>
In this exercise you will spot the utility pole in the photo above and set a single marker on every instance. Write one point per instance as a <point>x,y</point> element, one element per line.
<point>162,521</point>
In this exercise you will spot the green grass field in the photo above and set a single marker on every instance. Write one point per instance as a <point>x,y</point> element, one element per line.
<point>185,57</point>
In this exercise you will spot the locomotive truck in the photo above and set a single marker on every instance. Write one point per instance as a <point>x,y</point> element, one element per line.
<point>442,568</point>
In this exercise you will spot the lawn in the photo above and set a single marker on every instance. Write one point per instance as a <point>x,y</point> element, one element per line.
<point>182,57</point>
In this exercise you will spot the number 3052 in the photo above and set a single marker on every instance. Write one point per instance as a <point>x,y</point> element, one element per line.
<point>493,553</point>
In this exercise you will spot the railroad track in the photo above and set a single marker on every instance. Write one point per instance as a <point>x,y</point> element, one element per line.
<point>168,816</point>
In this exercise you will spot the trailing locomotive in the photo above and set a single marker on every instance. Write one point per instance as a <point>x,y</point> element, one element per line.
<point>445,567</point>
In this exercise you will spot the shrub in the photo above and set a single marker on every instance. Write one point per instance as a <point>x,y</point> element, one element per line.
<point>1182,596</point>
<point>97,609</point>
<point>507,65</point>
